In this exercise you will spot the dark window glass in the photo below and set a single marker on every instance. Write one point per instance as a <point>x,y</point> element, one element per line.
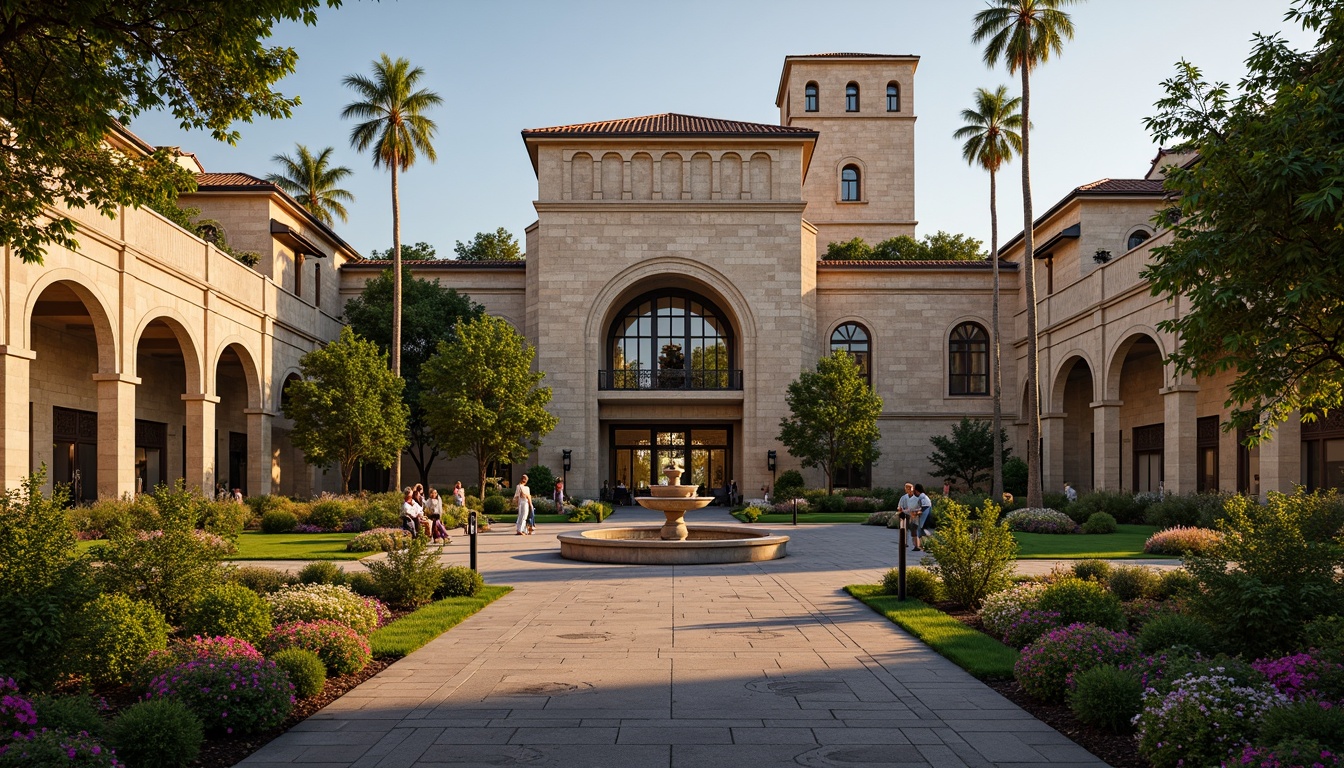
<point>849,183</point>
<point>670,339</point>
<point>968,360</point>
<point>893,97</point>
<point>853,338</point>
<point>852,97</point>
<point>810,98</point>
<point>1137,237</point>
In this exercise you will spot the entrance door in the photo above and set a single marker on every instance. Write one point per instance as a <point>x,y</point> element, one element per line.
<point>639,454</point>
<point>238,461</point>
<point>75,452</point>
<point>151,455</point>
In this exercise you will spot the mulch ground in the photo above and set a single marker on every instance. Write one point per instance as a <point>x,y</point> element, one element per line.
<point>1117,749</point>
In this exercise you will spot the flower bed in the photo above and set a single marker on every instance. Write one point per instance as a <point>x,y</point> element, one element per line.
<point>229,697</point>
<point>342,649</point>
<point>1046,667</point>
<point>315,602</point>
<point>1180,540</point>
<point>1039,520</point>
<point>379,540</point>
<point>1204,720</point>
<point>1002,608</point>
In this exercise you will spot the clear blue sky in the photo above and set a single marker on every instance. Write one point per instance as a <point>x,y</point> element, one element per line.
<point>506,65</point>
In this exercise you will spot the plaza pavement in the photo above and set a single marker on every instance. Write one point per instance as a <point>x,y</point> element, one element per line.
<point>761,664</point>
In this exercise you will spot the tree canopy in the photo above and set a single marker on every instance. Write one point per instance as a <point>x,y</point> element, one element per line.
<point>833,417</point>
<point>1256,252</point>
<point>940,246</point>
<point>311,180</point>
<point>489,246</point>
<point>430,314</point>
<point>420,251</point>
<point>968,453</point>
<point>347,407</point>
<point>481,397</point>
<point>73,68</point>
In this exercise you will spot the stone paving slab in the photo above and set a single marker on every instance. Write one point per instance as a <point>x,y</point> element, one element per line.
<point>759,664</point>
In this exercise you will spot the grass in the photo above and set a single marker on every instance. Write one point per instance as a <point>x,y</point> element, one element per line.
<point>977,653</point>
<point>1126,543</point>
<point>410,632</point>
<point>255,545</point>
<point>776,518</point>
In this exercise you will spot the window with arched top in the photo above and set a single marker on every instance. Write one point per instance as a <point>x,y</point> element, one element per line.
<point>670,339</point>
<point>810,98</point>
<point>893,97</point>
<point>968,360</point>
<point>853,339</point>
<point>1136,238</point>
<point>849,183</point>
<point>852,97</point>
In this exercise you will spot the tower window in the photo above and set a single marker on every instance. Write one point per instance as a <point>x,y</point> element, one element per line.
<point>893,97</point>
<point>1137,237</point>
<point>968,363</point>
<point>849,184</point>
<point>853,339</point>
<point>852,97</point>
<point>810,98</point>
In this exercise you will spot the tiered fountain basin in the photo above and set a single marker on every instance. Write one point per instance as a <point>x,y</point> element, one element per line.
<point>673,543</point>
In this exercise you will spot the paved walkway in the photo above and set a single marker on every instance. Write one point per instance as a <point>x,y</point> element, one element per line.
<point>761,664</point>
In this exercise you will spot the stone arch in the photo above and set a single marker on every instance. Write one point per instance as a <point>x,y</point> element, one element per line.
<point>613,176</point>
<point>869,327</point>
<point>945,347</point>
<point>861,167</point>
<point>1055,398</point>
<point>251,370</point>
<point>671,172</point>
<point>95,304</point>
<point>581,176</point>
<point>641,176</point>
<point>178,324</point>
<point>730,176</point>
<point>761,171</point>
<point>291,373</point>
<point>1145,229</point>
<point>1116,358</point>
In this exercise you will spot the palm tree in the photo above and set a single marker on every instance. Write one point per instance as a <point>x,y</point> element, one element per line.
<point>992,138</point>
<point>312,181</point>
<point>393,123</point>
<point>1023,34</point>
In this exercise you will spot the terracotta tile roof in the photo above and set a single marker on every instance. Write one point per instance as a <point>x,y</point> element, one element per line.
<point>1123,186</point>
<point>850,55</point>
<point>669,124</point>
<point>913,264</point>
<point>444,263</point>
<point>230,180</point>
<point>239,182</point>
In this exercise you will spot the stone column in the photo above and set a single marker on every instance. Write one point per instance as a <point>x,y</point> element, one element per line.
<point>260,461</point>
<point>1180,462</point>
<point>116,434</point>
<point>200,439</point>
<point>1106,444</point>
<point>1052,460</point>
<point>1281,458</point>
<point>15,426</point>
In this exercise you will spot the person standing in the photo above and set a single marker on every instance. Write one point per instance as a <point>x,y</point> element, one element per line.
<point>909,506</point>
<point>434,511</point>
<point>459,495</point>
<point>1069,493</point>
<point>237,495</point>
<point>925,512</point>
<point>947,488</point>
<point>559,497</point>
<point>522,501</point>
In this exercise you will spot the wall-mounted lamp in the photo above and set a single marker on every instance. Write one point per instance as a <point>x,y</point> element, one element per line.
<point>770,460</point>
<point>566,458</point>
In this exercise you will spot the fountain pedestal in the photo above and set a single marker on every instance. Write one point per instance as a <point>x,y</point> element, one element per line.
<point>674,500</point>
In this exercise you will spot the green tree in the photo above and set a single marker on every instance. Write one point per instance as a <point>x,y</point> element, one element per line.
<point>489,246</point>
<point>1023,34</point>
<point>992,136</point>
<point>833,417</point>
<point>73,68</point>
<point>430,314</point>
<point>311,180</point>
<point>968,453</point>
<point>347,408</point>
<point>482,398</point>
<point>1256,252</point>
<point>899,248</point>
<point>393,124</point>
<point>945,246</point>
<point>420,251</point>
<point>850,250</point>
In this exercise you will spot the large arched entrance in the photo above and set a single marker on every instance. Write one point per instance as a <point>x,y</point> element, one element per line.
<point>1137,378</point>
<point>168,368</point>
<point>1073,399</point>
<point>236,381</point>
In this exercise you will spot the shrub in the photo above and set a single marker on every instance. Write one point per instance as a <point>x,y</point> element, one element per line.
<point>378,540</point>
<point>830,504</point>
<point>1047,667</point>
<point>920,584</point>
<point>860,504</point>
<point>454,516</point>
<point>1139,612</point>
<point>229,610</point>
<point>321,572</point>
<point>232,697</point>
<point>315,602</point>
<point>181,651</point>
<point>1185,510</point>
<point>1175,630</point>
<point>1305,720</point>
<point>789,484</point>
<point>119,633</point>
<point>1131,582</point>
<point>1031,520</point>
<point>1295,752</point>
<point>361,583</point>
<point>278,521</point>
<point>1107,697</point>
<point>160,733</point>
<point>339,647</point>
<point>1002,608</point>
<point>224,518</point>
<point>1183,541</point>
<point>494,505</point>
<point>408,578</point>
<point>380,512</point>
<point>1015,476</point>
<point>1203,720</point>
<point>541,480</point>
<point>459,581</point>
<point>753,513</point>
<point>330,514</point>
<point>1322,514</point>
<point>1079,601</point>
<point>71,714</point>
<point>1092,570</point>
<point>1029,626</point>
<point>883,517</point>
<point>1176,582</point>
<point>973,556</point>
<point>1268,573</point>
<point>58,748</point>
<point>304,669</point>
<point>260,505</point>
<point>260,579</point>
<point>1164,677</point>
<point>1126,508</point>
<point>17,715</point>
<point>1099,523</point>
<point>1305,676</point>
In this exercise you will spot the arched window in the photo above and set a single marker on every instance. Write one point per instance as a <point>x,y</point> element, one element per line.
<point>968,360</point>
<point>670,339</point>
<point>853,338</point>
<point>1136,238</point>
<point>810,98</point>
<point>852,97</point>
<point>849,183</point>
<point>893,97</point>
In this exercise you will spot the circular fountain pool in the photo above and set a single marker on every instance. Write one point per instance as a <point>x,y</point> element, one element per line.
<point>644,545</point>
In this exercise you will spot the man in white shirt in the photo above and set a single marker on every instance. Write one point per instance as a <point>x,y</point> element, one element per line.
<point>909,506</point>
<point>410,513</point>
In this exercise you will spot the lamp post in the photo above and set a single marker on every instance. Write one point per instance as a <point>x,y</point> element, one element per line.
<point>770,465</point>
<point>564,468</point>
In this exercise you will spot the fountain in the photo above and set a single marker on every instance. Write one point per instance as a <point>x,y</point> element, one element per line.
<point>673,543</point>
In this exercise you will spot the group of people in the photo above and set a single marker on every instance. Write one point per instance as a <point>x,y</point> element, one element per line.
<point>222,493</point>
<point>419,510</point>
<point>527,511</point>
<point>917,508</point>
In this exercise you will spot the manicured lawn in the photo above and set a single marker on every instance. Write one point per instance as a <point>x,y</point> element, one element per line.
<point>1126,543</point>
<point>255,545</point>
<point>973,651</point>
<point>413,630</point>
<point>775,518</point>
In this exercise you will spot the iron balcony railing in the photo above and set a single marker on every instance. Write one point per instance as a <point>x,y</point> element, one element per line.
<point>647,378</point>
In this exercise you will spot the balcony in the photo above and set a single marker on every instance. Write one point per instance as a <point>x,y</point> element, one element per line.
<point>645,379</point>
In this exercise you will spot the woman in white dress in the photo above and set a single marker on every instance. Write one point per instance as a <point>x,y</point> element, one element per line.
<point>522,500</point>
